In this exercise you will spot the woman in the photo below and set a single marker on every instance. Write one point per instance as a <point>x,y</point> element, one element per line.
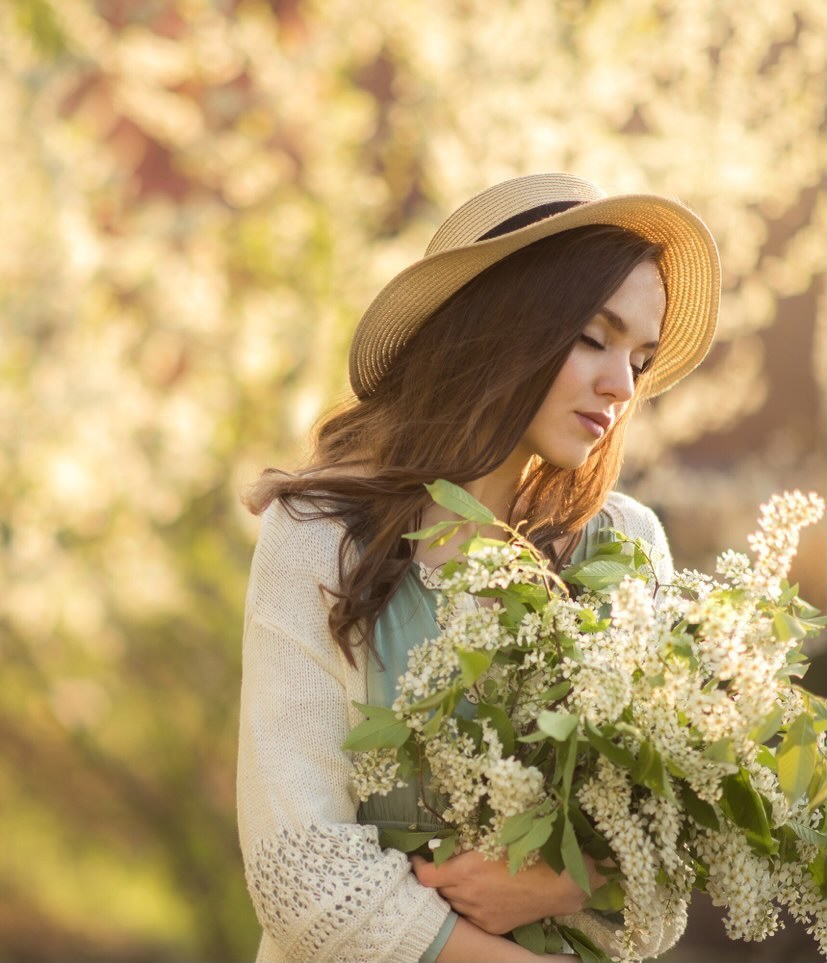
<point>507,360</point>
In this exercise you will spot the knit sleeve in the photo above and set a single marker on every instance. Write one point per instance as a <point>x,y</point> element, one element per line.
<point>637,521</point>
<point>322,887</point>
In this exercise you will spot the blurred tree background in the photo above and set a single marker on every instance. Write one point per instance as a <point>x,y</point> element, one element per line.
<point>201,196</point>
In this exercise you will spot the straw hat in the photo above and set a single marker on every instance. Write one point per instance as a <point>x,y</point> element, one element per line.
<point>517,212</point>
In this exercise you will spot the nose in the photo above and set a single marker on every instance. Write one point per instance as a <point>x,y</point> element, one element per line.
<point>617,380</point>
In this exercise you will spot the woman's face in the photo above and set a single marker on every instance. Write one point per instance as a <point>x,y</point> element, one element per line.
<point>597,381</point>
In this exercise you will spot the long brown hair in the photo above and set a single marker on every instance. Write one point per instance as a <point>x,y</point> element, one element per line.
<point>456,402</point>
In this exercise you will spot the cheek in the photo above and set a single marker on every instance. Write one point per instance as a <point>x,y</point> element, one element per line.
<point>575,371</point>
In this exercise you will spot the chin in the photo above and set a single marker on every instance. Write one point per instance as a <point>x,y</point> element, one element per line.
<point>567,462</point>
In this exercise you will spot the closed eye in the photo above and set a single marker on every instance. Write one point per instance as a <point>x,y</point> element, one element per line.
<point>637,371</point>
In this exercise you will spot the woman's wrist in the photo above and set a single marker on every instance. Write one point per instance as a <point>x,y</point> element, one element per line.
<point>469,944</point>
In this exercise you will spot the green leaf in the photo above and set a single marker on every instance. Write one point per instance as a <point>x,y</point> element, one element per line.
<point>374,712</point>
<point>701,876</point>
<point>478,542</point>
<point>515,827</point>
<point>531,594</point>
<point>807,611</point>
<point>556,692</point>
<point>723,750</point>
<point>552,850</point>
<point>566,760</point>
<point>588,951</point>
<point>650,771</point>
<point>554,941</point>
<point>378,732</point>
<point>473,663</point>
<point>531,936</point>
<point>744,807</point>
<point>445,537</point>
<point>408,759</point>
<point>766,757</point>
<point>817,790</point>
<point>515,610</point>
<point>533,839</point>
<point>434,530</point>
<point>599,573</point>
<point>573,857</point>
<point>615,754</point>
<point>698,809</point>
<point>558,725</point>
<point>405,840</point>
<point>457,500</point>
<point>818,870</point>
<point>769,726</point>
<point>432,726</point>
<point>816,706</point>
<point>445,850</point>
<point>796,758</point>
<point>787,595</point>
<point>429,702</point>
<point>788,627</point>
<point>498,718</point>
<point>472,728</point>
<point>609,898</point>
<point>807,834</point>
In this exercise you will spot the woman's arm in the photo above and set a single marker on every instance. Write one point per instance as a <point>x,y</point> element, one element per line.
<point>322,887</point>
<point>468,944</point>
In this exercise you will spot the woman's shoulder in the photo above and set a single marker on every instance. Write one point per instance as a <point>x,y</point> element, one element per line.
<point>627,511</point>
<point>299,535</point>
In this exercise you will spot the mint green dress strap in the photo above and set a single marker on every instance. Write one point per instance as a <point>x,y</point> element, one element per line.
<point>407,620</point>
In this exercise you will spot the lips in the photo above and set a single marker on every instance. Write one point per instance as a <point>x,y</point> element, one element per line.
<point>596,422</point>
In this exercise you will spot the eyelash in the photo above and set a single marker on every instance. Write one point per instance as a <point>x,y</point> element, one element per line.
<point>636,372</point>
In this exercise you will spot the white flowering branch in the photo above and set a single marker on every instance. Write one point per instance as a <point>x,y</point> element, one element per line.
<point>658,726</point>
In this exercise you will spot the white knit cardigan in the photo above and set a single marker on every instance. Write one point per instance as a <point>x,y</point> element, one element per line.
<point>322,888</point>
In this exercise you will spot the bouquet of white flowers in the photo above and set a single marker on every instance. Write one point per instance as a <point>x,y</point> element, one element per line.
<point>656,727</point>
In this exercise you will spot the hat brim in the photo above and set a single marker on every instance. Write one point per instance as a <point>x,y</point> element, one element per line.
<point>689,264</point>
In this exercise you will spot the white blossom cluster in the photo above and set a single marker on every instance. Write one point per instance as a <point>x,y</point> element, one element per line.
<point>740,881</point>
<point>490,566</point>
<point>471,627</point>
<point>607,798</point>
<point>775,544</point>
<point>456,770</point>
<point>375,772</point>
<point>463,775</point>
<point>796,890</point>
<point>431,666</point>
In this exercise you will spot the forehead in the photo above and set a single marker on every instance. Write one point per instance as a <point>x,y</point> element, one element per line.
<point>639,304</point>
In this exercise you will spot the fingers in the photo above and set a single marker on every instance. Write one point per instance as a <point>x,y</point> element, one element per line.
<point>427,873</point>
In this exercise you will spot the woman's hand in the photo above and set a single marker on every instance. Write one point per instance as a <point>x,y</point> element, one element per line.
<point>485,892</point>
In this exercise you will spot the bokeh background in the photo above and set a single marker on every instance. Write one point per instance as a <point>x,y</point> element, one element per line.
<point>199,199</point>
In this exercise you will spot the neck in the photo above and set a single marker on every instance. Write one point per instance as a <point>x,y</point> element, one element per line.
<point>496,490</point>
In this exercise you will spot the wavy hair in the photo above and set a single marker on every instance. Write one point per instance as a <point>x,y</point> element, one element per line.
<point>454,405</point>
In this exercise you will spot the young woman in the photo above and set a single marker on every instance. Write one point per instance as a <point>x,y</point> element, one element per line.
<point>507,360</point>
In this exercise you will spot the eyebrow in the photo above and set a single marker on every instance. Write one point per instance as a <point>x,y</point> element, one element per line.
<point>620,325</point>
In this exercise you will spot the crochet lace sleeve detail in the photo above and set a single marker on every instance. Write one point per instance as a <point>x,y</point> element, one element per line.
<point>355,902</point>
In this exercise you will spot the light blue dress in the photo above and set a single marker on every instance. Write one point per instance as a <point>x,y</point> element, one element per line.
<point>408,619</point>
